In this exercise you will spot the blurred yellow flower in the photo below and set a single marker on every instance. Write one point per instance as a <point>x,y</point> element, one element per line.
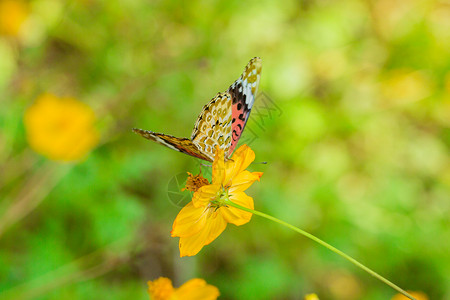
<point>13,14</point>
<point>202,220</point>
<point>311,297</point>
<point>194,289</point>
<point>447,83</point>
<point>402,86</point>
<point>417,295</point>
<point>60,128</point>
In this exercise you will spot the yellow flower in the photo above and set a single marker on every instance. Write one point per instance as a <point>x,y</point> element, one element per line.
<point>403,86</point>
<point>13,14</point>
<point>311,297</point>
<point>60,128</point>
<point>194,289</point>
<point>417,295</point>
<point>202,220</point>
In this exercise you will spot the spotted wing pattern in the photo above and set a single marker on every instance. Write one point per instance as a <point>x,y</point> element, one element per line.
<point>213,126</point>
<point>220,122</point>
<point>243,93</point>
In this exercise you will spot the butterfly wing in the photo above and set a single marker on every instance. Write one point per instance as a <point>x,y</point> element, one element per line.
<point>243,92</point>
<point>220,122</point>
<point>183,145</point>
<point>213,126</point>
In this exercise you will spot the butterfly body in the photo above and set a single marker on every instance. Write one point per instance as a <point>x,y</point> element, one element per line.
<point>221,121</point>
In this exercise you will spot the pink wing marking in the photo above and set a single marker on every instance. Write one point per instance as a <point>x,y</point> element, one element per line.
<point>243,92</point>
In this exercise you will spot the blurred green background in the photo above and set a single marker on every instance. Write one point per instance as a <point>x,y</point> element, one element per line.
<point>354,125</point>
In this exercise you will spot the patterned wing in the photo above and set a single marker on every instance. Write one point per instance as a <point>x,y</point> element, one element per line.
<point>213,126</point>
<point>221,121</point>
<point>243,92</point>
<point>179,144</point>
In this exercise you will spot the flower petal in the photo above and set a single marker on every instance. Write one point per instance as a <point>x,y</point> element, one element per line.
<point>235,215</point>
<point>240,160</point>
<point>195,289</point>
<point>205,194</point>
<point>215,225</point>
<point>189,221</point>
<point>160,288</point>
<point>244,180</point>
<point>218,167</point>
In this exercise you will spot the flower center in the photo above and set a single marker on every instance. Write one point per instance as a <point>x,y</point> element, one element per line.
<point>221,197</point>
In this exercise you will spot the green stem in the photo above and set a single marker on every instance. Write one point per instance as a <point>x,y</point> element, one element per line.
<point>326,245</point>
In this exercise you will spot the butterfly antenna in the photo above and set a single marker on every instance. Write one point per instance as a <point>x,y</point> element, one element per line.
<point>260,163</point>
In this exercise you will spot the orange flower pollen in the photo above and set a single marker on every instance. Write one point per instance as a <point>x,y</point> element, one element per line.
<point>193,183</point>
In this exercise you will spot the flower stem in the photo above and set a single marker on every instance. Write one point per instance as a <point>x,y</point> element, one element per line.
<point>326,245</point>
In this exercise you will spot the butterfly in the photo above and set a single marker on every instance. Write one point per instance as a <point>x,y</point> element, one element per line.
<point>221,121</point>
